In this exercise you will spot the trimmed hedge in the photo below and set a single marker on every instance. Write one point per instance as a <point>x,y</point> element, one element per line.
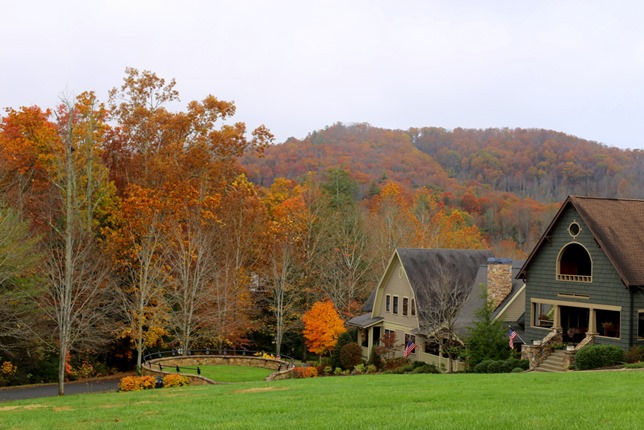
<point>596,356</point>
<point>501,366</point>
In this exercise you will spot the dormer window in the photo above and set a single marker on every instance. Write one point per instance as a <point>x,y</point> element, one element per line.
<point>574,264</point>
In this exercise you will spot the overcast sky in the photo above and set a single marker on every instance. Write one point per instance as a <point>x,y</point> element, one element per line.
<point>298,66</point>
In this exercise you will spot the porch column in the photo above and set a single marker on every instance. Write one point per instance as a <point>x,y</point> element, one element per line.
<point>556,324</point>
<point>369,341</point>
<point>592,322</point>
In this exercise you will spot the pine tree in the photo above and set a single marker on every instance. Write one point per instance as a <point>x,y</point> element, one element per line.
<point>486,339</point>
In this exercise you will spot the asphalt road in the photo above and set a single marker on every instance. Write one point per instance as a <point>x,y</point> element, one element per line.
<point>71,388</point>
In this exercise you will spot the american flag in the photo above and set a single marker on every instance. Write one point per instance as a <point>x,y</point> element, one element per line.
<point>512,335</point>
<point>409,348</point>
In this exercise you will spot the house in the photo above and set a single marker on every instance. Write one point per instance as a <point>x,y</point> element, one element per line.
<point>585,277</point>
<point>430,296</point>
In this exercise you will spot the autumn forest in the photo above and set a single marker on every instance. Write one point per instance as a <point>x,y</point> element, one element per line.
<point>130,225</point>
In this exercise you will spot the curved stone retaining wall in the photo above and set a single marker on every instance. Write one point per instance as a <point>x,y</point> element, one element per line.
<point>157,366</point>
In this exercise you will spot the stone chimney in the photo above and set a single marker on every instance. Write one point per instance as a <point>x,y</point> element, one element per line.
<point>499,279</point>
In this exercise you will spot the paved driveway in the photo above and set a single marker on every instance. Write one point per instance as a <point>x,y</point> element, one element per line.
<point>71,388</point>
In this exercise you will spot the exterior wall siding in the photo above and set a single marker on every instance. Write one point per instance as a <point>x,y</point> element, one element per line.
<point>396,284</point>
<point>516,309</point>
<point>606,287</point>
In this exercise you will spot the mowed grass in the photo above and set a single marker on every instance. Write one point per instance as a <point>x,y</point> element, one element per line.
<point>575,400</point>
<point>225,373</point>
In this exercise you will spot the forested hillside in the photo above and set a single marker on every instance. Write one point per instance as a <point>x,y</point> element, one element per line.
<point>541,164</point>
<point>508,181</point>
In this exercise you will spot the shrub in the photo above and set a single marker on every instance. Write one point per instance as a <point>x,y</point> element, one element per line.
<point>337,371</point>
<point>517,370</point>
<point>496,366</point>
<point>395,363</point>
<point>595,356</point>
<point>416,364</point>
<point>359,369</point>
<point>425,368</point>
<point>305,372</point>
<point>633,355</point>
<point>344,339</point>
<point>372,368</point>
<point>524,364</point>
<point>175,381</point>
<point>375,359</point>
<point>482,366</point>
<point>327,370</point>
<point>350,355</point>
<point>135,383</point>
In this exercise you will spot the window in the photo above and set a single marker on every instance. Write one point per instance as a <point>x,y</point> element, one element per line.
<point>542,315</point>
<point>607,323</point>
<point>405,306</point>
<point>413,307</point>
<point>395,304</point>
<point>640,324</point>
<point>388,303</point>
<point>432,347</point>
<point>574,264</point>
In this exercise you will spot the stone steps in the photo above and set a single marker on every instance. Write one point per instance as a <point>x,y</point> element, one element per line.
<point>554,362</point>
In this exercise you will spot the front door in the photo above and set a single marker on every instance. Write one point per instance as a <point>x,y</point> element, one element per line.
<point>574,322</point>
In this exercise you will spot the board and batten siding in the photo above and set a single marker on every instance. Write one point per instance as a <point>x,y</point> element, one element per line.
<point>396,284</point>
<point>606,287</point>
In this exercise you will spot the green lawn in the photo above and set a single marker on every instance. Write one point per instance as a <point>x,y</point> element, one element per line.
<point>225,373</point>
<point>575,400</point>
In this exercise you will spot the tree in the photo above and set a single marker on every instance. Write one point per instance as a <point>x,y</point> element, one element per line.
<point>191,230</point>
<point>77,298</point>
<point>242,217</point>
<point>137,244</point>
<point>343,245</point>
<point>19,257</point>
<point>487,338</point>
<point>322,327</point>
<point>284,245</point>
<point>447,286</point>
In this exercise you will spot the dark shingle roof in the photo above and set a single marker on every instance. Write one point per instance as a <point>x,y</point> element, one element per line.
<point>422,266</point>
<point>618,227</point>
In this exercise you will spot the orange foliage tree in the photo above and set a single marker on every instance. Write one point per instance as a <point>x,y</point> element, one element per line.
<point>322,327</point>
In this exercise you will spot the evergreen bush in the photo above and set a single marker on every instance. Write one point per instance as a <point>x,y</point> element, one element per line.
<point>596,356</point>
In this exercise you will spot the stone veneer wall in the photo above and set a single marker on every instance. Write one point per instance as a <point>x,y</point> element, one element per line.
<point>499,281</point>
<point>536,354</point>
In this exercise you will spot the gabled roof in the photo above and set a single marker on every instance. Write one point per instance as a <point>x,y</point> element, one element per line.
<point>467,314</point>
<point>618,227</point>
<point>422,264</point>
<point>424,267</point>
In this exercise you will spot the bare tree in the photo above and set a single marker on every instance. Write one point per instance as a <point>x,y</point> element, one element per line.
<point>191,263</point>
<point>76,299</point>
<point>345,260</point>
<point>446,288</point>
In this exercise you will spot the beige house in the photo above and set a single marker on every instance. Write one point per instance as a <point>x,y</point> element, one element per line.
<point>426,293</point>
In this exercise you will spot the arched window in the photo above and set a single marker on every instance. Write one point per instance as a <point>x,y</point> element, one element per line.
<point>574,264</point>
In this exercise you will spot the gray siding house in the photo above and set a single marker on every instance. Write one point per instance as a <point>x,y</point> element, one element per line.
<point>585,277</point>
<point>409,302</point>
